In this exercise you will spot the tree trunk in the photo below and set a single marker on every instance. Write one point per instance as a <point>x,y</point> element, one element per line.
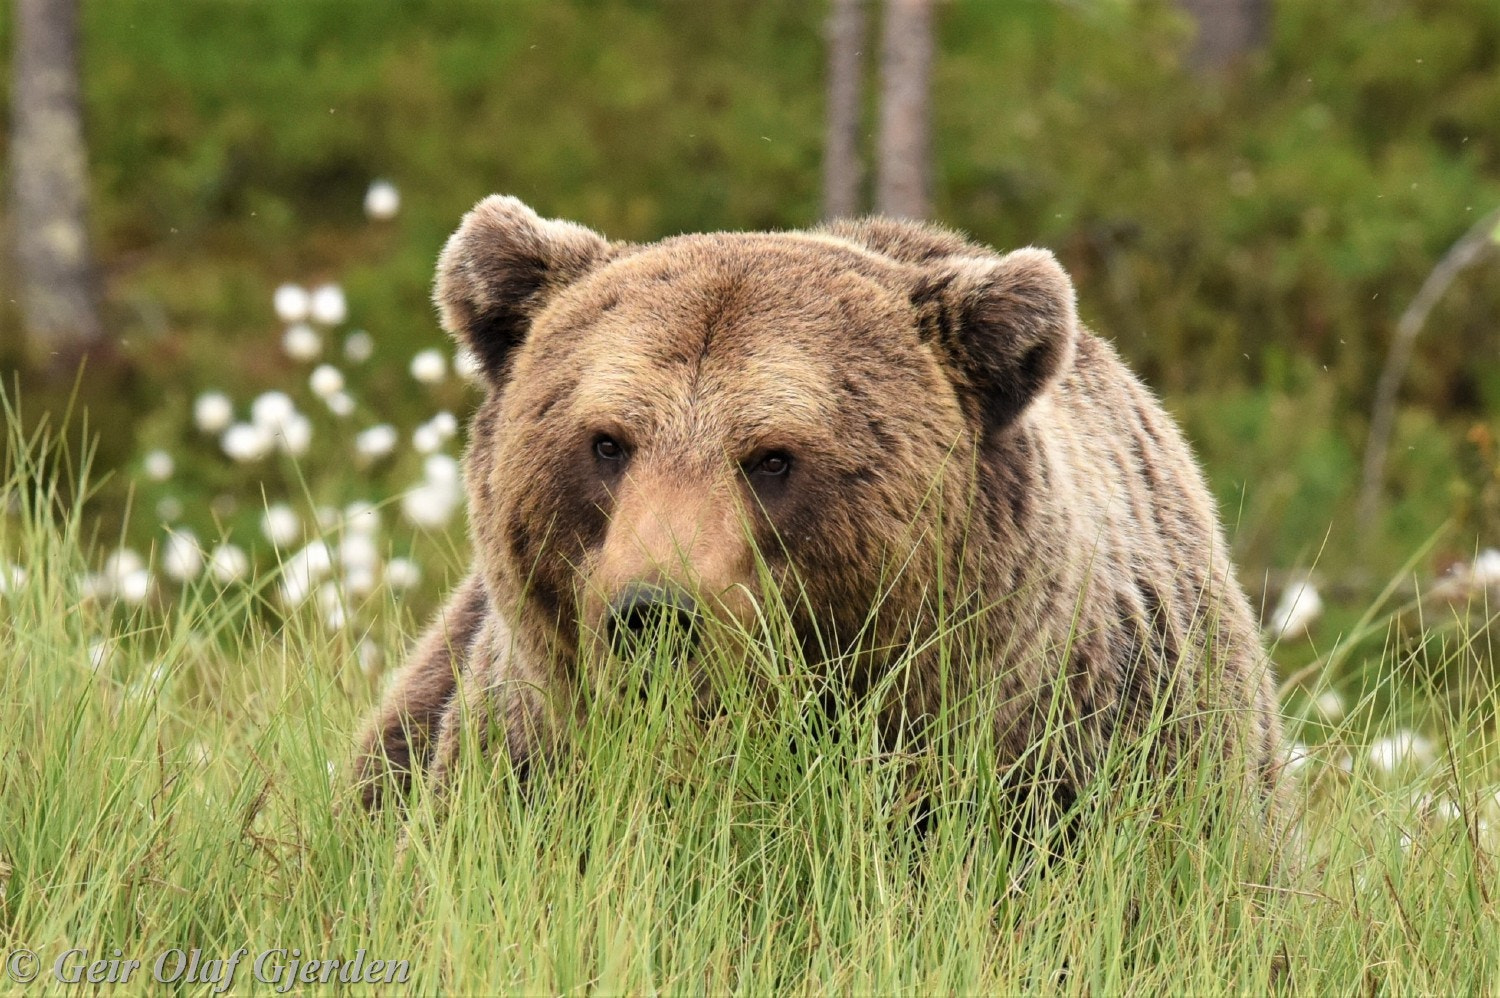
<point>902,186</point>
<point>1226,30</point>
<point>843,173</point>
<point>55,277</point>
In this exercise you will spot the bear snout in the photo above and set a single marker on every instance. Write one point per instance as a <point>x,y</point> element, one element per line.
<point>644,614</point>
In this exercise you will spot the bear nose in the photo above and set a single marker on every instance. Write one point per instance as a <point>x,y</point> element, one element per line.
<point>644,613</point>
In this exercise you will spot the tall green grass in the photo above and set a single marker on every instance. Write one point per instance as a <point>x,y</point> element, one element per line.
<point>171,778</point>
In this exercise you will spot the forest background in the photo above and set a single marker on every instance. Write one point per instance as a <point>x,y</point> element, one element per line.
<point>1248,233</point>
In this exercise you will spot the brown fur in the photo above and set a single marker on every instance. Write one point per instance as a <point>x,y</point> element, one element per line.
<point>888,358</point>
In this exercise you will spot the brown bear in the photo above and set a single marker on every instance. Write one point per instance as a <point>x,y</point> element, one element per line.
<point>671,428</point>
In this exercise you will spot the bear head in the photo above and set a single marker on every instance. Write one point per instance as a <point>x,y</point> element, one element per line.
<point>686,427</point>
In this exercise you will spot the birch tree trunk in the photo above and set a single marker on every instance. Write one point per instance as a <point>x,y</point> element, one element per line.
<point>903,182</point>
<point>54,274</point>
<point>843,172</point>
<point>1227,29</point>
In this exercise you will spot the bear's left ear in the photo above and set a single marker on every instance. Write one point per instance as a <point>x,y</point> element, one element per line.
<point>499,270</point>
<point>1006,326</point>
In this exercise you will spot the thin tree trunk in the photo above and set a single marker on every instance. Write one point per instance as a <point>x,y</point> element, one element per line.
<point>903,182</point>
<point>49,169</point>
<point>1226,30</point>
<point>843,172</point>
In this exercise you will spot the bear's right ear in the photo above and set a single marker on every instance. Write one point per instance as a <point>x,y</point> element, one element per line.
<point>499,270</point>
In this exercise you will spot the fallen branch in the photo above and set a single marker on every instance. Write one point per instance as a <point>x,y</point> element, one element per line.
<point>1463,254</point>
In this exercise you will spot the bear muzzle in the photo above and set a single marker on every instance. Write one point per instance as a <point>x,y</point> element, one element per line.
<point>644,615</point>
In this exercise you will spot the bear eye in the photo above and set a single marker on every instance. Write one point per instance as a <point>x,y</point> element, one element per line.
<point>609,449</point>
<point>773,465</point>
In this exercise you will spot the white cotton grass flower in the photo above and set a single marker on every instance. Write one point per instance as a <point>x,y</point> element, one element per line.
<point>301,342</point>
<point>360,581</point>
<point>359,346</point>
<point>370,658</point>
<point>402,573</point>
<point>326,381</point>
<point>120,563</point>
<point>443,471</point>
<point>246,442</point>
<point>341,404</point>
<point>433,434</point>
<point>213,412</point>
<point>429,506</point>
<point>425,439</point>
<point>101,655</point>
<point>1329,706</point>
<point>291,302</point>
<point>328,596</point>
<point>358,551</point>
<point>228,563</point>
<point>376,442</point>
<point>465,364</point>
<point>294,436</point>
<point>359,561</point>
<point>134,587</point>
<point>1299,606</point>
<point>281,525</point>
<point>361,518</point>
<point>1297,757</point>
<point>429,367</point>
<point>124,576</point>
<point>12,578</point>
<point>1485,572</point>
<point>1465,582</point>
<point>328,307</point>
<point>271,410</point>
<point>276,415</point>
<point>181,557</point>
<point>303,571</point>
<point>159,465</point>
<point>432,502</point>
<point>1402,750</point>
<point>382,201</point>
<point>331,604</point>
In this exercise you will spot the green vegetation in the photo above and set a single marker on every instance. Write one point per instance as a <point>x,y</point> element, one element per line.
<point>172,781</point>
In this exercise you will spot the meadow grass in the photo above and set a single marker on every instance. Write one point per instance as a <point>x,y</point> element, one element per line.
<point>172,779</point>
